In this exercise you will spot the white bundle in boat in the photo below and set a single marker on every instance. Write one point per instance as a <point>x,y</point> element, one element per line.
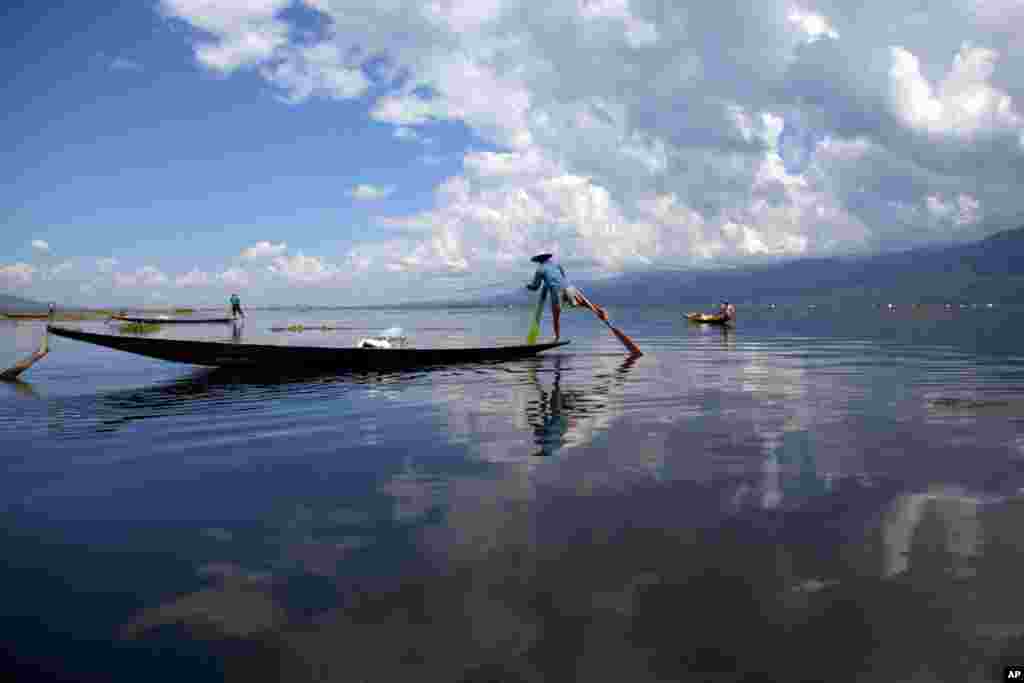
<point>374,343</point>
<point>390,338</point>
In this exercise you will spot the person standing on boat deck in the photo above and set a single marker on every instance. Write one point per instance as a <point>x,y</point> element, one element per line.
<point>727,310</point>
<point>236,307</point>
<point>556,282</point>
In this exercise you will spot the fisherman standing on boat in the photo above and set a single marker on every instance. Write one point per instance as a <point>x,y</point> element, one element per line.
<point>727,310</point>
<point>556,282</point>
<point>236,307</point>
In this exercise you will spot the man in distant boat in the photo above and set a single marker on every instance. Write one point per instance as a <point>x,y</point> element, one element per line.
<point>236,307</point>
<point>552,276</point>
<point>727,311</point>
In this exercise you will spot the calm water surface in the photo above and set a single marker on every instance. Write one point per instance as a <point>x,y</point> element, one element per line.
<point>818,495</point>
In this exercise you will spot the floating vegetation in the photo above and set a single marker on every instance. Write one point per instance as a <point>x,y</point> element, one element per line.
<point>60,315</point>
<point>298,327</point>
<point>1014,406</point>
<point>184,311</point>
<point>138,328</point>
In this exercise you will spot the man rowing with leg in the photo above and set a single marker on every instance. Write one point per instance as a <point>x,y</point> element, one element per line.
<point>552,276</point>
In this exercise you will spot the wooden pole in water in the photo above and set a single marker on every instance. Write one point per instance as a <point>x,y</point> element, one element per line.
<point>11,373</point>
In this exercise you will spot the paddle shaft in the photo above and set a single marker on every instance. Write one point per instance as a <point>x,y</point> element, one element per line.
<point>619,334</point>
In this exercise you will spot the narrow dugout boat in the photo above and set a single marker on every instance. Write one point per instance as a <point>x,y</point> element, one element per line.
<point>707,319</point>
<point>274,357</point>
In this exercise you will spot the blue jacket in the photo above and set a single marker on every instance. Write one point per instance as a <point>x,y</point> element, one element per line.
<point>551,275</point>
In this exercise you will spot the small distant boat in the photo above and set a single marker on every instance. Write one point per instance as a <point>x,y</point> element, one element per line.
<point>160,320</point>
<point>707,319</point>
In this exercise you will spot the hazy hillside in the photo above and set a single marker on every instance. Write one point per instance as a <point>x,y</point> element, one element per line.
<point>10,302</point>
<point>990,270</point>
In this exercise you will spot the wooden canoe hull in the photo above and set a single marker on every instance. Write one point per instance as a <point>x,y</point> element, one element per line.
<point>705,319</point>
<point>27,316</point>
<point>274,357</point>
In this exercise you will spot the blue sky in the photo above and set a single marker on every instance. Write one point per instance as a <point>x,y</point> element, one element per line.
<point>345,152</point>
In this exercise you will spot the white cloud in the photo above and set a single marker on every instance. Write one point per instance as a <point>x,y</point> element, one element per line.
<point>316,70</point>
<point>370,192</point>
<point>406,133</point>
<point>637,32</point>
<point>304,269</point>
<point>263,249</point>
<point>814,25</point>
<point>17,274</point>
<point>634,132</point>
<point>41,245</point>
<point>235,277</point>
<point>147,276</point>
<point>237,33</point>
<point>963,104</point>
<point>193,278</point>
<point>53,272</point>
<point>964,210</point>
<point>408,110</point>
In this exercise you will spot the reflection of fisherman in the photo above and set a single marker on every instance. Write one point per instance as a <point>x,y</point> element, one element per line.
<point>556,283</point>
<point>561,409</point>
<point>555,422</point>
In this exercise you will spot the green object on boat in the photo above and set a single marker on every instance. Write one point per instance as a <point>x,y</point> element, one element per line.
<point>538,312</point>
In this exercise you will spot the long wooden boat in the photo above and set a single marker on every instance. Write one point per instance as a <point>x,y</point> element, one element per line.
<point>707,319</point>
<point>270,356</point>
<point>162,321</point>
<point>27,316</point>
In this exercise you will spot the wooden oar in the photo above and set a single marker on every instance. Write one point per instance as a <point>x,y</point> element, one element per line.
<point>531,336</point>
<point>11,373</point>
<point>603,317</point>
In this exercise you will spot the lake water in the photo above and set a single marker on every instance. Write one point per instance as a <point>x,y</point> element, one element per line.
<point>818,495</point>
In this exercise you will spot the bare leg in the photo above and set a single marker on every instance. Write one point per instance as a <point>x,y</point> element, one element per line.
<point>556,315</point>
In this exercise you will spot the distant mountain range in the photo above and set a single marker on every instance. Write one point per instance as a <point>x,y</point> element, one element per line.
<point>989,270</point>
<point>12,303</point>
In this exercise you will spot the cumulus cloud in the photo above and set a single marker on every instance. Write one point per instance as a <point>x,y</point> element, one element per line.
<point>302,268</point>
<point>370,192</point>
<point>17,274</point>
<point>235,33</point>
<point>235,277</point>
<point>963,210</point>
<point>963,104</point>
<point>627,133</point>
<point>263,249</point>
<point>406,133</point>
<point>53,272</point>
<point>814,25</point>
<point>41,245</point>
<point>193,278</point>
<point>146,276</point>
